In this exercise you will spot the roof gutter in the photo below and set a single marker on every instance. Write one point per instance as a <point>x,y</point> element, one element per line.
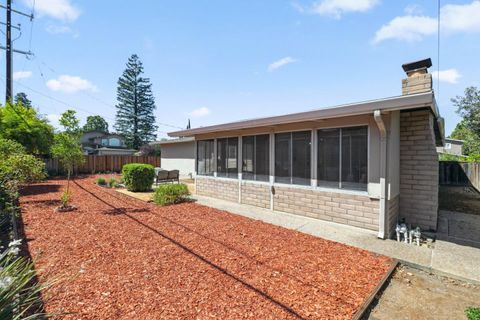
<point>382,219</point>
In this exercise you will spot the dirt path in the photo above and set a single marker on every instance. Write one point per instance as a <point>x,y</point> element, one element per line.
<point>413,294</point>
<point>127,259</point>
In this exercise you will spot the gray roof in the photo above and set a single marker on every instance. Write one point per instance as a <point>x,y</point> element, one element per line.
<point>173,141</point>
<point>405,102</point>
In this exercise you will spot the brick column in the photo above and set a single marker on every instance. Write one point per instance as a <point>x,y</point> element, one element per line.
<point>418,170</point>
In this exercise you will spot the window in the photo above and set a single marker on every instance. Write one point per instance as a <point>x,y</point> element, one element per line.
<point>256,158</point>
<point>115,142</point>
<point>205,157</point>
<point>448,146</point>
<point>227,159</point>
<point>342,158</point>
<point>292,157</point>
<point>104,141</point>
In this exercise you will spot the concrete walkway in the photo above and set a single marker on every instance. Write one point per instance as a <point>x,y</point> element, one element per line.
<point>445,258</point>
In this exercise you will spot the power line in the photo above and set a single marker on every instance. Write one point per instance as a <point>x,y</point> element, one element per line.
<point>438,50</point>
<point>96,98</point>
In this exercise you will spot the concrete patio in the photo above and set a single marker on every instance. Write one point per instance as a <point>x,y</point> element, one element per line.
<point>446,258</point>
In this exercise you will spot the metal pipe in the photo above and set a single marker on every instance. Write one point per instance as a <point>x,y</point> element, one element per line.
<point>382,221</point>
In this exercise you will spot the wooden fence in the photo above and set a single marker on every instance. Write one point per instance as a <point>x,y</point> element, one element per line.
<point>460,173</point>
<point>99,164</point>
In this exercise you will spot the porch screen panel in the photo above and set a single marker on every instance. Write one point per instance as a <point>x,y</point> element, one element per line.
<point>328,162</point>
<point>354,158</point>
<point>227,150</point>
<point>255,157</point>
<point>343,158</point>
<point>222,157</point>
<point>232,157</point>
<point>262,157</point>
<point>301,157</point>
<point>205,157</point>
<point>248,172</point>
<point>283,152</point>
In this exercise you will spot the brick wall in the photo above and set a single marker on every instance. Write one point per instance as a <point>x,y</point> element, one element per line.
<point>354,210</point>
<point>256,194</point>
<point>217,188</point>
<point>392,215</point>
<point>418,170</point>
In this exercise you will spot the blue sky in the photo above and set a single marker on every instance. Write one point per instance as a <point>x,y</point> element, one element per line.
<point>215,61</point>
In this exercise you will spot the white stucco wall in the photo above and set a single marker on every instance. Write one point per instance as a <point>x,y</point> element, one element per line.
<point>179,156</point>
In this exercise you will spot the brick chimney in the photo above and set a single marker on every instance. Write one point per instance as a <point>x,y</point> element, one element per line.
<point>418,79</point>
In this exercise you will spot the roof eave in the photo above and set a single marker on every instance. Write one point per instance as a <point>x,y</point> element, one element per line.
<point>388,104</point>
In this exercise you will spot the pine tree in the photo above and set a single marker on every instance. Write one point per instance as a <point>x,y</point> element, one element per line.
<point>135,119</point>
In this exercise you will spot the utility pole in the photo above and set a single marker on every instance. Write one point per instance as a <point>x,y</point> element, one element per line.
<point>9,49</point>
<point>9,69</point>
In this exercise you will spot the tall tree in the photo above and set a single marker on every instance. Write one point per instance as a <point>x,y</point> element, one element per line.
<point>95,123</point>
<point>136,104</point>
<point>22,98</point>
<point>468,107</point>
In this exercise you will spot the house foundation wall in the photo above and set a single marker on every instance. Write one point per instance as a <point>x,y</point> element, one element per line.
<point>418,170</point>
<point>393,214</point>
<point>255,194</point>
<point>349,209</point>
<point>217,188</point>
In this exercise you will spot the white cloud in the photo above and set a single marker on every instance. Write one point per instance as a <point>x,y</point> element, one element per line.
<point>54,29</point>
<point>453,18</point>
<point>280,63</point>
<point>336,8</point>
<point>200,112</point>
<point>448,75</point>
<point>407,28</point>
<point>70,84</point>
<point>413,9</point>
<point>22,75</point>
<point>58,9</point>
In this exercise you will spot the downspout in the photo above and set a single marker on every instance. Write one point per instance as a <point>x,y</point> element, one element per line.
<point>382,219</point>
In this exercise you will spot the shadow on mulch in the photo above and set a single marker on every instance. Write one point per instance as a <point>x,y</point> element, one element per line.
<point>286,308</point>
<point>35,189</point>
<point>44,203</point>
<point>26,253</point>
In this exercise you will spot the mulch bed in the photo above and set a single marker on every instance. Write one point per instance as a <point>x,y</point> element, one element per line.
<point>122,258</point>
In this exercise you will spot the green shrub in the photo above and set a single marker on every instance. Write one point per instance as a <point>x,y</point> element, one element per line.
<point>112,183</point>
<point>65,198</point>
<point>170,193</point>
<point>472,313</point>
<point>138,177</point>
<point>101,181</point>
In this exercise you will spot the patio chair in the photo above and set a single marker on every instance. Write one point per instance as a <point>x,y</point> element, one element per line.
<point>174,175</point>
<point>162,176</point>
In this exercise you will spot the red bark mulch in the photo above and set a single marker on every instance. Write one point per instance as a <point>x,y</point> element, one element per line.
<point>122,258</point>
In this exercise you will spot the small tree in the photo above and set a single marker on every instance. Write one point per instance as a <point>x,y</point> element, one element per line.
<point>67,147</point>
<point>468,107</point>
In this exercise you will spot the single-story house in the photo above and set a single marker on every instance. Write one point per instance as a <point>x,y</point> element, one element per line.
<point>178,154</point>
<point>104,143</point>
<point>364,164</point>
<point>452,146</point>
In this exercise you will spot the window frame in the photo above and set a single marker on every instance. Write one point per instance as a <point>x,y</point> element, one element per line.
<point>227,174</point>
<point>212,165</point>
<point>254,158</point>
<point>291,132</point>
<point>340,188</point>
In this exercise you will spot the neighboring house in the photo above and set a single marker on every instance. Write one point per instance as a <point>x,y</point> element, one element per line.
<point>364,164</point>
<point>452,146</point>
<point>178,154</point>
<point>102,143</point>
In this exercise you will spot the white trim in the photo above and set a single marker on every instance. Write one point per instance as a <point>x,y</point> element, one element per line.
<point>240,166</point>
